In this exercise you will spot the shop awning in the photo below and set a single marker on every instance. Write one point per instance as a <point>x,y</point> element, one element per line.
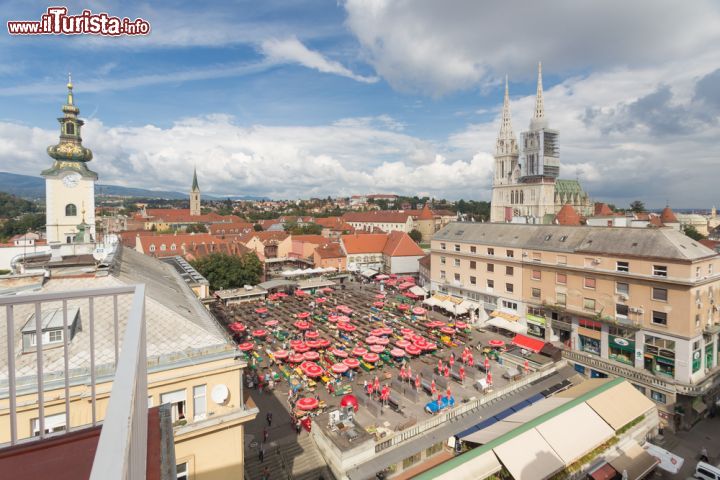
<point>431,301</point>
<point>481,466</point>
<point>528,343</point>
<point>635,461</point>
<point>575,432</point>
<point>490,433</point>
<point>419,291</point>
<point>605,472</point>
<point>529,457</point>
<point>509,316</point>
<point>618,414</point>
<point>505,325</point>
<point>368,272</point>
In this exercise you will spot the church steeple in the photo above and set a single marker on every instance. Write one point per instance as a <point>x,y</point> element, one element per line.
<point>69,153</point>
<point>506,143</point>
<point>195,187</point>
<point>538,121</point>
<point>195,209</point>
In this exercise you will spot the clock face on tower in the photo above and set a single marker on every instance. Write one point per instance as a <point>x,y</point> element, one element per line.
<point>71,180</point>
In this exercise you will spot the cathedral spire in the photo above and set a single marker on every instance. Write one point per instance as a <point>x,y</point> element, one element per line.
<point>195,187</point>
<point>506,143</point>
<point>538,121</point>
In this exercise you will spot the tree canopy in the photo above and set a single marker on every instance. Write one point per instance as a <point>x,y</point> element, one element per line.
<point>196,228</point>
<point>25,223</point>
<point>692,232</point>
<point>416,235</point>
<point>228,271</point>
<point>637,206</point>
<point>305,229</point>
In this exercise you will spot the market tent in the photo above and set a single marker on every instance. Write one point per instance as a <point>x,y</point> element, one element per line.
<point>368,272</point>
<point>636,461</point>
<point>481,466</point>
<point>500,322</point>
<point>528,343</point>
<point>432,301</point>
<point>575,432</point>
<point>536,409</point>
<point>419,291</point>
<point>618,414</point>
<point>490,433</point>
<point>529,457</point>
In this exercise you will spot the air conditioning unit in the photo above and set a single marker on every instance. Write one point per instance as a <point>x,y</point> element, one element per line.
<point>636,310</point>
<point>623,297</point>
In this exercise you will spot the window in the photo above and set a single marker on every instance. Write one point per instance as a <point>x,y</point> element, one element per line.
<point>457,262</point>
<point>561,278</point>
<point>152,248</point>
<point>473,249</point>
<point>53,336</point>
<point>660,270</point>
<point>659,318</point>
<point>562,260</point>
<point>639,388</point>
<point>182,471</point>
<point>536,274</point>
<point>621,310</point>
<point>410,461</point>
<point>442,274</point>
<point>442,260</point>
<point>509,287</point>
<point>659,294</point>
<point>442,246</point>
<point>622,288</point>
<point>561,299</point>
<point>658,396</point>
<point>491,251</point>
<point>510,305</point>
<point>508,270</point>
<point>622,267</point>
<point>697,272</point>
<point>163,247</point>
<point>70,128</point>
<point>70,210</point>
<point>536,293</point>
<point>490,267</point>
<point>173,247</point>
<point>509,253</point>
<point>473,265</point>
<point>589,304</point>
<point>177,401</point>
<point>457,277</point>
<point>53,423</point>
<point>589,282</point>
<point>491,284</point>
<point>457,247</point>
<point>199,402</point>
<point>473,280</point>
<point>432,450</point>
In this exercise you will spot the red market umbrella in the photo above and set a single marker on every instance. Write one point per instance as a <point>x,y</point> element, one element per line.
<point>301,348</point>
<point>403,307</point>
<point>339,353</point>
<point>403,343</point>
<point>312,334</point>
<point>496,343</point>
<point>324,342</point>
<point>406,331</point>
<point>413,350</point>
<point>396,352</point>
<point>281,355</point>
<point>344,319</point>
<point>326,290</point>
<point>261,311</point>
<point>311,369</point>
<point>419,311</point>
<point>281,294</point>
<point>359,351</point>
<point>371,357</point>
<point>351,362</point>
<point>295,358</point>
<point>302,325</point>
<point>461,325</point>
<point>382,341</point>
<point>237,327</point>
<point>387,330</point>
<point>371,339</point>
<point>447,330</point>
<point>260,332</point>
<point>350,400</point>
<point>430,346</point>
<point>307,404</point>
<point>311,355</point>
<point>300,293</point>
<point>320,300</point>
<point>377,348</point>
<point>246,346</point>
<point>313,344</point>
<point>380,296</point>
<point>295,343</point>
<point>378,304</point>
<point>376,332</point>
<point>349,328</point>
<point>339,368</point>
<point>333,318</point>
<point>303,315</point>
<point>271,323</point>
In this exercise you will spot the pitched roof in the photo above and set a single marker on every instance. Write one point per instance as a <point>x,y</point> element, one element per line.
<point>665,243</point>
<point>426,213</point>
<point>266,238</point>
<point>399,244</point>
<point>567,216</point>
<point>425,261</point>
<point>230,228</point>
<point>602,210</point>
<point>378,216</point>
<point>330,250</point>
<point>364,243</point>
<point>152,244</point>
<point>319,239</point>
<point>668,216</point>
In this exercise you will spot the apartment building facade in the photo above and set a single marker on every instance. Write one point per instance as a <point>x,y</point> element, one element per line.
<point>642,304</point>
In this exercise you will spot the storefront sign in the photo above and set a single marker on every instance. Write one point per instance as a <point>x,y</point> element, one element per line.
<point>622,343</point>
<point>535,319</point>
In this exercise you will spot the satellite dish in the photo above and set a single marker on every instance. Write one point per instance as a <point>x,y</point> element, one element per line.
<point>100,253</point>
<point>220,394</point>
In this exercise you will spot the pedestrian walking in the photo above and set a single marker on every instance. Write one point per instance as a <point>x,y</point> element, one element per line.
<point>261,453</point>
<point>268,417</point>
<point>266,434</point>
<point>266,474</point>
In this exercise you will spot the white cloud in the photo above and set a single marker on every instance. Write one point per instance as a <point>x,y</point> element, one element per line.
<point>438,47</point>
<point>291,50</point>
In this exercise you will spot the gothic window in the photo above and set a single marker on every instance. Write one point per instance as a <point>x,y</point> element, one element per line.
<point>70,210</point>
<point>522,196</point>
<point>512,196</point>
<point>70,128</point>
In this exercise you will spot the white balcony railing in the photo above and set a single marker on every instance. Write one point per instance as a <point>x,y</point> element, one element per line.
<point>122,447</point>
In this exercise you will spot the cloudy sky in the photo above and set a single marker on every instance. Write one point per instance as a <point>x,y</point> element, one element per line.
<point>298,98</point>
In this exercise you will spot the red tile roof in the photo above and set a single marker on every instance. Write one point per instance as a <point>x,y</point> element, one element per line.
<point>603,210</point>
<point>567,216</point>
<point>266,238</point>
<point>399,244</point>
<point>230,228</point>
<point>319,239</point>
<point>667,216</point>
<point>425,261</point>
<point>330,250</point>
<point>426,213</point>
<point>395,244</point>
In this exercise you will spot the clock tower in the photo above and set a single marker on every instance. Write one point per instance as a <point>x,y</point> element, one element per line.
<point>69,183</point>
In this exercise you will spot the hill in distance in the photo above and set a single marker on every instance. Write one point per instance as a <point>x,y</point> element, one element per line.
<point>33,188</point>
